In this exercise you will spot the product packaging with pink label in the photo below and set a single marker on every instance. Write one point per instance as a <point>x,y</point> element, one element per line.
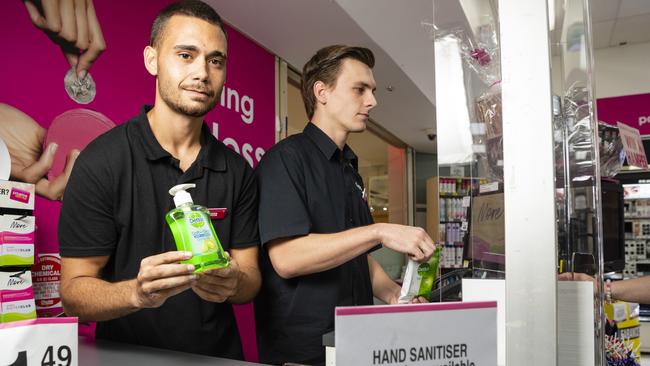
<point>16,296</point>
<point>16,195</point>
<point>16,240</point>
<point>17,224</point>
<point>46,277</point>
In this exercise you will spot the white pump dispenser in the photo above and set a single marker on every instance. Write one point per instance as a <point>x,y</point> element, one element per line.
<point>181,197</point>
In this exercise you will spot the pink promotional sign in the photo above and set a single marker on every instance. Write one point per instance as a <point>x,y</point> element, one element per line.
<point>632,110</point>
<point>33,83</point>
<point>634,152</point>
<point>34,67</point>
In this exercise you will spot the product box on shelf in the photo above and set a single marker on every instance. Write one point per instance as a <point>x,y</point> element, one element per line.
<point>16,240</point>
<point>16,296</point>
<point>17,224</point>
<point>46,278</point>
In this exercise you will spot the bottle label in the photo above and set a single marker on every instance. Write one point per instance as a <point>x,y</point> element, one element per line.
<point>201,237</point>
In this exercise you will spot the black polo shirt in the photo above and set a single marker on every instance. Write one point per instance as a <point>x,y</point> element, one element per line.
<point>115,205</point>
<point>307,185</point>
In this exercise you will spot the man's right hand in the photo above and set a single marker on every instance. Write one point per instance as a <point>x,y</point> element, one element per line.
<point>161,277</point>
<point>410,240</point>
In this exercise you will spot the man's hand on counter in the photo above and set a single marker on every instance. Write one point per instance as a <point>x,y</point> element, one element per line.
<point>419,300</point>
<point>218,284</point>
<point>161,277</point>
<point>416,300</point>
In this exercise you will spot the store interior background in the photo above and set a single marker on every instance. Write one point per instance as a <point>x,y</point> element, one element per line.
<point>405,79</point>
<point>405,82</point>
<point>397,155</point>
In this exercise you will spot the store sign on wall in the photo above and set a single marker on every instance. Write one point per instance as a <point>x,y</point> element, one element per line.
<point>634,152</point>
<point>632,110</point>
<point>436,334</point>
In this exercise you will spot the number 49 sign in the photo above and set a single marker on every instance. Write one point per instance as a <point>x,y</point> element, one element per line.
<point>39,342</point>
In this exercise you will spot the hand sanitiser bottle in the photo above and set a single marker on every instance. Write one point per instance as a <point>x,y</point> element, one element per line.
<point>193,231</point>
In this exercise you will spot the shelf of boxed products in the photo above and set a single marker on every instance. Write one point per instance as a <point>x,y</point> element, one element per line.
<point>636,207</point>
<point>637,237</point>
<point>25,336</point>
<point>17,226</point>
<point>454,236</point>
<point>458,186</point>
<point>454,213</point>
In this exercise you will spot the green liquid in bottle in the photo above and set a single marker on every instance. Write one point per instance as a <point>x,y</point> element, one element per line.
<point>193,232</point>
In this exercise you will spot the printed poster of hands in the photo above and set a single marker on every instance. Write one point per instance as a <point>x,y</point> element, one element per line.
<point>73,26</point>
<point>23,138</point>
<point>30,153</point>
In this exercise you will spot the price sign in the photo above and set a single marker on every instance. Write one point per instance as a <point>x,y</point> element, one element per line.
<point>39,342</point>
<point>410,335</point>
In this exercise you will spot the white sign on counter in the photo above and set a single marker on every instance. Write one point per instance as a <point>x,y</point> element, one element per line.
<point>45,342</point>
<point>436,334</point>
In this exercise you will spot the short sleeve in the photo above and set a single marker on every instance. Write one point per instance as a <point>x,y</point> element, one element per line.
<point>283,210</point>
<point>86,223</point>
<point>245,231</point>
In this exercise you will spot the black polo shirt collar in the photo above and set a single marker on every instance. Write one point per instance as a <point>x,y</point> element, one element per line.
<point>328,147</point>
<point>209,156</point>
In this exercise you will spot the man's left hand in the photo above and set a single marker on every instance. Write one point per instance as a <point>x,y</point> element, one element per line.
<point>416,300</point>
<point>419,300</point>
<point>218,284</point>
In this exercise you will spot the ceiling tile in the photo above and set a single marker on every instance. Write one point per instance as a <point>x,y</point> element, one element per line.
<point>602,33</point>
<point>631,30</point>
<point>634,7</point>
<point>602,10</point>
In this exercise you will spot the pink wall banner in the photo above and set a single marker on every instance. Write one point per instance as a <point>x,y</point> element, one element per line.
<point>632,110</point>
<point>33,69</point>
